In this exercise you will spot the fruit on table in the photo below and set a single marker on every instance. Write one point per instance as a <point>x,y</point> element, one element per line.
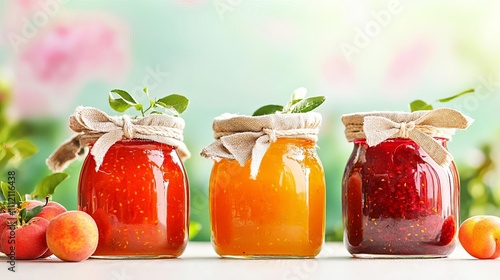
<point>5,219</point>
<point>26,241</point>
<point>72,236</point>
<point>480,236</point>
<point>50,209</point>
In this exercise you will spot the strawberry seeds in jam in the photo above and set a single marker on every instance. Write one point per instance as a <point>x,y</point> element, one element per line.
<point>139,200</point>
<point>398,202</point>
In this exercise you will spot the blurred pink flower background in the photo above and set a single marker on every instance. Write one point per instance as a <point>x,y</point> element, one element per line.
<point>55,52</point>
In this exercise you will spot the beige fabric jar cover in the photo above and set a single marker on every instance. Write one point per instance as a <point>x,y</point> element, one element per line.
<point>95,126</point>
<point>419,126</point>
<point>242,138</point>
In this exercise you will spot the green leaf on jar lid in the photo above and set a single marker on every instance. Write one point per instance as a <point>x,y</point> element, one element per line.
<point>267,110</point>
<point>176,102</point>
<point>307,105</point>
<point>419,105</point>
<point>297,104</point>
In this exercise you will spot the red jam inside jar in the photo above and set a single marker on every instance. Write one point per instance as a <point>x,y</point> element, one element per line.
<point>139,199</point>
<point>398,202</point>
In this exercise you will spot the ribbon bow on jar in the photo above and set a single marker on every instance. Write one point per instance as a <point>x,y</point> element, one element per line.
<point>420,126</point>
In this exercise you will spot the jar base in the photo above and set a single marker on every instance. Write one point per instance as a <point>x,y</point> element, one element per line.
<point>135,257</point>
<point>388,256</point>
<point>264,257</point>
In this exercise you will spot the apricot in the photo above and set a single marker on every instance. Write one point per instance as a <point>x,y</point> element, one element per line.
<point>480,236</point>
<point>72,236</point>
<point>25,242</point>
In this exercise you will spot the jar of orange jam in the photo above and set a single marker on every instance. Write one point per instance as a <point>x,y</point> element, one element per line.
<point>273,203</point>
<point>139,199</point>
<point>401,188</point>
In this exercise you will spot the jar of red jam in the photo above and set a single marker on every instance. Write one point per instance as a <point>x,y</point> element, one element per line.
<point>139,199</point>
<point>400,189</point>
<point>132,182</point>
<point>267,187</point>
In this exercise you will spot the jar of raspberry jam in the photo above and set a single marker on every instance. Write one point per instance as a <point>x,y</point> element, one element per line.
<point>400,189</point>
<point>139,198</point>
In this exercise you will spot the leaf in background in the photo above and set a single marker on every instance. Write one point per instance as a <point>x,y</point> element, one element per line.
<point>48,184</point>
<point>307,105</point>
<point>194,229</point>
<point>6,192</point>
<point>5,155</point>
<point>25,148</point>
<point>267,110</point>
<point>419,105</point>
<point>455,96</point>
<point>174,101</point>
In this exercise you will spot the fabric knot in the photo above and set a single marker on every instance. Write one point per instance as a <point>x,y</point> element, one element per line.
<point>405,128</point>
<point>101,131</point>
<point>243,138</point>
<point>271,133</point>
<point>128,127</point>
<point>421,126</point>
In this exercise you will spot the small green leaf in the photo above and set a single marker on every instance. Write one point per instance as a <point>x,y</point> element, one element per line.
<point>174,101</point>
<point>123,103</point>
<point>455,96</point>
<point>125,95</point>
<point>267,110</point>
<point>22,214</point>
<point>307,105</point>
<point>48,184</point>
<point>25,148</point>
<point>419,105</point>
<point>8,193</point>
<point>29,214</point>
<point>194,229</point>
<point>118,104</point>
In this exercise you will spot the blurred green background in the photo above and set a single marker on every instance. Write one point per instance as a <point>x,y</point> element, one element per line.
<point>236,55</point>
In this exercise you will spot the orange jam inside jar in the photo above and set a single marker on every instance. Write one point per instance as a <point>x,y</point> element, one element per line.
<point>139,199</point>
<point>280,213</point>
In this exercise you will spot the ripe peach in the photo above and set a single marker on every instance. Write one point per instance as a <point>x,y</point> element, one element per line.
<point>480,236</point>
<point>48,212</point>
<point>25,242</point>
<point>5,218</point>
<point>72,236</point>
<point>51,210</point>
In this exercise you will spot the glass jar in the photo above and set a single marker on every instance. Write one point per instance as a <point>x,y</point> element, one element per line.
<point>398,202</point>
<point>280,213</point>
<point>139,199</point>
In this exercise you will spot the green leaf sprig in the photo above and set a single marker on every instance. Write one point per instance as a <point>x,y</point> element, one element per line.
<point>420,105</point>
<point>174,104</point>
<point>297,104</point>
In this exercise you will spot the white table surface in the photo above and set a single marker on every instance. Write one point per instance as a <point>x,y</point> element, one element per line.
<point>199,261</point>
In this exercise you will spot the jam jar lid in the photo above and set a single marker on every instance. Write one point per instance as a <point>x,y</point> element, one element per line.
<point>420,126</point>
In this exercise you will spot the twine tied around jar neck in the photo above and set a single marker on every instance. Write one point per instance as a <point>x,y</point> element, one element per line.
<point>420,126</point>
<point>95,126</point>
<point>242,138</point>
